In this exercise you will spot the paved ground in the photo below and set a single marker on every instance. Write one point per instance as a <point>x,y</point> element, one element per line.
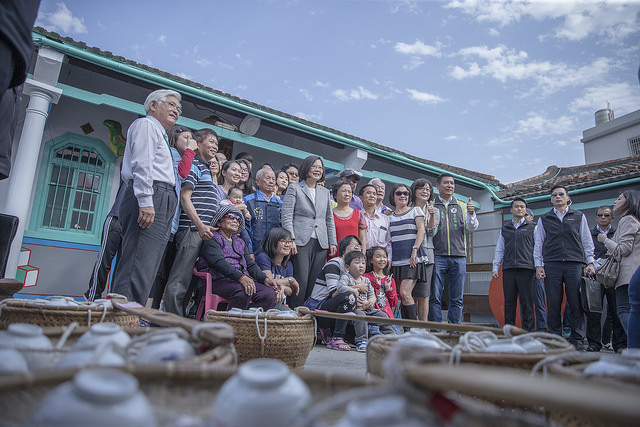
<point>321,358</point>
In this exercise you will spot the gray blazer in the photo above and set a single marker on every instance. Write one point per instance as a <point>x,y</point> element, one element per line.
<point>627,236</point>
<point>300,216</point>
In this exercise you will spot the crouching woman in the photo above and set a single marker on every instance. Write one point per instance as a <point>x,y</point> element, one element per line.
<point>235,277</point>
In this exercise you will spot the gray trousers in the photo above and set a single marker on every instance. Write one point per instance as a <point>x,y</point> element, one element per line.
<point>188,245</point>
<point>142,248</point>
<point>362,328</point>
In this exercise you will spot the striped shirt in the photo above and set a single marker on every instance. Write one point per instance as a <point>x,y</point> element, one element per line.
<point>403,236</point>
<point>204,198</point>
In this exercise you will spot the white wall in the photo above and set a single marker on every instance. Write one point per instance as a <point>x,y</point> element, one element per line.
<point>609,140</point>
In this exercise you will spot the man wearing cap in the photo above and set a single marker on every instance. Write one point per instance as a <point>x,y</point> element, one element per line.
<point>539,296</point>
<point>514,251</point>
<point>353,176</point>
<point>199,200</point>
<point>150,200</point>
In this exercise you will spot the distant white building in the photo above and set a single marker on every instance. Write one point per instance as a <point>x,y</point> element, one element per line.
<point>611,138</point>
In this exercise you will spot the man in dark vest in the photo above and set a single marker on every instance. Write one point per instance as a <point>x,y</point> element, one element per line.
<point>563,246</point>
<point>264,208</point>
<point>595,338</point>
<point>514,251</point>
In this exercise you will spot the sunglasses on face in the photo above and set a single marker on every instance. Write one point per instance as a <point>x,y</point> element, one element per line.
<point>402,193</point>
<point>233,216</point>
<point>558,195</point>
<point>603,215</point>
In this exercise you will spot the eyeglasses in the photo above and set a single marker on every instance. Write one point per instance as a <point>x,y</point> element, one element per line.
<point>558,194</point>
<point>423,189</point>
<point>318,168</point>
<point>402,193</point>
<point>213,162</point>
<point>603,215</point>
<point>233,216</point>
<point>292,173</point>
<point>172,105</point>
<point>355,246</point>
<point>286,242</point>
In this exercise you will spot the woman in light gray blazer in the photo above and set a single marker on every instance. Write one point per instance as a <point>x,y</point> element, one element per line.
<point>627,238</point>
<point>307,215</point>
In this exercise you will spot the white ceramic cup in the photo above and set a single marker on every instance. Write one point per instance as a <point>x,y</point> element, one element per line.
<point>29,340</point>
<point>263,392</point>
<point>163,348</point>
<point>103,332</point>
<point>97,397</point>
<point>12,362</point>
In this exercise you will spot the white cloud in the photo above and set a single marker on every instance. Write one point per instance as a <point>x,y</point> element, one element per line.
<point>410,6</point>
<point>184,76</point>
<point>622,96</point>
<point>424,98</point>
<point>356,94</point>
<point>418,48</point>
<point>578,19</point>
<point>413,63</point>
<point>62,20</point>
<point>306,94</point>
<point>162,39</point>
<point>318,83</point>
<point>451,138</point>
<point>493,32</point>
<point>310,117</point>
<point>537,125</point>
<point>204,62</point>
<point>504,64</point>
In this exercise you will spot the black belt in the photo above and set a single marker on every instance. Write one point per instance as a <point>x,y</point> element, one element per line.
<point>165,185</point>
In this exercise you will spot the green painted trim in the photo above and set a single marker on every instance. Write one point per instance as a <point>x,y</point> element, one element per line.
<point>35,230</point>
<point>147,76</point>
<point>132,107</point>
<point>504,204</point>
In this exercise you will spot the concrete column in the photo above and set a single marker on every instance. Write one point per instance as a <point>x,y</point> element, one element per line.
<point>23,171</point>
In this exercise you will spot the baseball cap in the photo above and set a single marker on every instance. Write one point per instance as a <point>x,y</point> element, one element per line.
<point>350,172</point>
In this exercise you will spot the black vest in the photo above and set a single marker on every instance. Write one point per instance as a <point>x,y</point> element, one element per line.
<point>599,249</point>
<point>562,242</point>
<point>518,245</point>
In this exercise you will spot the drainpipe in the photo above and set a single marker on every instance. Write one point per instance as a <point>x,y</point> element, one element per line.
<point>42,93</point>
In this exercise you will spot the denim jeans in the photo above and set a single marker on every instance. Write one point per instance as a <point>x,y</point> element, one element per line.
<point>454,269</point>
<point>633,328</point>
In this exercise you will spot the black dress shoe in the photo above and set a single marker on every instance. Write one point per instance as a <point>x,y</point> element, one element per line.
<point>593,349</point>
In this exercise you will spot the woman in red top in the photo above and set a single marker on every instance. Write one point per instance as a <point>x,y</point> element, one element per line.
<point>348,221</point>
<point>383,284</point>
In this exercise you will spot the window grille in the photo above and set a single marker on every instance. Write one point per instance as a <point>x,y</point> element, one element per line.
<point>634,146</point>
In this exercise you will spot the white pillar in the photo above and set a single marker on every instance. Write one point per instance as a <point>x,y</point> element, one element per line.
<point>23,170</point>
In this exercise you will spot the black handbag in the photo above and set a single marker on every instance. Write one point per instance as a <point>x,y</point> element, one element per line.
<point>591,295</point>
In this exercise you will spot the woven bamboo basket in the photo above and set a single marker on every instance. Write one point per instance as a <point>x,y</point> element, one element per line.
<point>563,401</point>
<point>215,347</point>
<point>184,395</point>
<point>286,339</point>
<point>380,345</point>
<point>25,311</point>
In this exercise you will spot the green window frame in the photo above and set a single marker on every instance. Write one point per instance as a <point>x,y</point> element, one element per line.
<point>73,190</point>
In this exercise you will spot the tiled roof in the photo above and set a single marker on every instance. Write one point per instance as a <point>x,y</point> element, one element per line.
<point>574,177</point>
<point>488,179</point>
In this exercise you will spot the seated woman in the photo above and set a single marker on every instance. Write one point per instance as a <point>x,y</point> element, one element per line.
<point>235,277</point>
<point>275,262</point>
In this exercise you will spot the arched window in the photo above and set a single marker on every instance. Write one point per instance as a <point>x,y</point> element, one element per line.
<point>73,190</point>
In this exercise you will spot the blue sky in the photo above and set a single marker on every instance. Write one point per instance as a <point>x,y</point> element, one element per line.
<point>499,87</point>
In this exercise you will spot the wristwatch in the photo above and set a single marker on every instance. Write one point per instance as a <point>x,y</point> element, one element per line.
<point>290,279</point>
<point>415,247</point>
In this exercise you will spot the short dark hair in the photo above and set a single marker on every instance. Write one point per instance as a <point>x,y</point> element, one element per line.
<point>235,187</point>
<point>174,131</point>
<point>336,186</point>
<point>350,256</point>
<point>201,134</point>
<point>604,207</point>
<point>365,186</point>
<point>393,192</point>
<point>443,175</point>
<point>559,186</point>
<point>243,155</point>
<point>266,165</point>
<point>270,245</point>
<point>289,165</point>
<point>519,199</point>
<point>305,166</point>
<point>419,183</point>
<point>345,241</point>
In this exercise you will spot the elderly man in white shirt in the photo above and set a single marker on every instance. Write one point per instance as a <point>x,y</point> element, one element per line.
<point>150,200</point>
